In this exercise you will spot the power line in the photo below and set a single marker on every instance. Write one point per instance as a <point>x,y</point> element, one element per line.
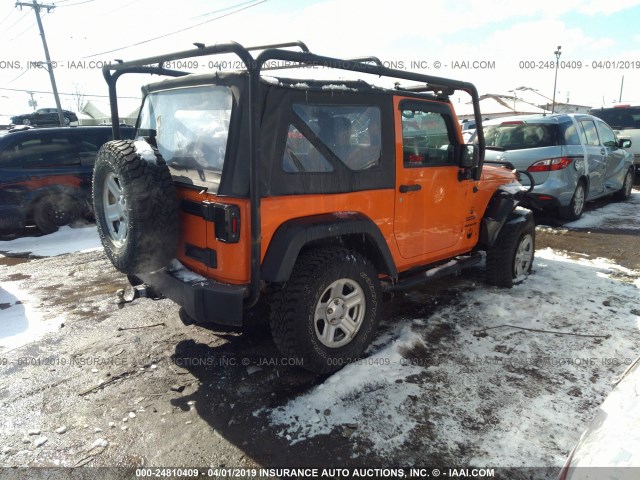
<point>65,94</point>
<point>181,30</point>
<point>74,4</point>
<point>7,17</point>
<point>223,9</point>
<point>18,21</point>
<point>23,32</point>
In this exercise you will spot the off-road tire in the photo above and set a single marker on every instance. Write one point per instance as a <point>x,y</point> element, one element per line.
<point>627,186</point>
<point>55,211</point>
<point>501,267</point>
<point>293,308</point>
<point>149,207</point>
<point>574,210</point>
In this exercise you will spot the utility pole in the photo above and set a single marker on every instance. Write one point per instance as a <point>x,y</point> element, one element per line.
<point>36,8</point>
<point>557,53</point>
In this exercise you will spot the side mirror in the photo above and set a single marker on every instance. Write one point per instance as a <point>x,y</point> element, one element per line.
<point>469,156</point>
<point>624,143</point>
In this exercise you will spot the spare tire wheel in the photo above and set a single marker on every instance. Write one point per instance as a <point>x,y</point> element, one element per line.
<point>136,207</point>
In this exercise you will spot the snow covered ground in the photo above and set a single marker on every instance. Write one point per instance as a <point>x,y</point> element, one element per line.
<point>614,216</point>
<point>65,240</point>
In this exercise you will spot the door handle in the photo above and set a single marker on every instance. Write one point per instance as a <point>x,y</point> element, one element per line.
<point>409,188</point>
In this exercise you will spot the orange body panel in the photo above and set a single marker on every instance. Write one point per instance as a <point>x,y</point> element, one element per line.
<point>234,259</point>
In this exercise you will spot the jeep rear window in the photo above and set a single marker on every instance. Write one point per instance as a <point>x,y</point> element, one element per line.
<point>351,133</point>
<point>190,127</point>
<point>520,135</point>
<point>619,118</point>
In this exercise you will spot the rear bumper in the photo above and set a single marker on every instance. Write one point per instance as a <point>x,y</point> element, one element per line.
<point>539,201</point>
<point>204,301</point>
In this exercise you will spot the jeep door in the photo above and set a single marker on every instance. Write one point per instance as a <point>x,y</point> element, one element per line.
<point>595,156</point>
<point>431,200</point>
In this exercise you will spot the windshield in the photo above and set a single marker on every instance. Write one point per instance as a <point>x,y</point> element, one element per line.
<point>519,135</point>
<point>619,118</point>
<point>190,126</point>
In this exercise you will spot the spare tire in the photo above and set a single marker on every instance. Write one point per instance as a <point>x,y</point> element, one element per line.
<point>136,207</point>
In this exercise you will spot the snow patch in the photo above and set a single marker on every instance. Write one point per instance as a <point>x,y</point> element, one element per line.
<point>65,240</point>
<point>21,321</point>
<point>145,150</point>
<point>343,88</point>
<point>181,272</point>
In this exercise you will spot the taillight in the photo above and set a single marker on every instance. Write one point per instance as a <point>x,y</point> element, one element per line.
<point>227,222</point>
<point>550,164</point>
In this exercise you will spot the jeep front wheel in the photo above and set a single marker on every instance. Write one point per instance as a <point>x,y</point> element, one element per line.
<point>136,208</point>
<point>510,259</point>
<point>326,315</point>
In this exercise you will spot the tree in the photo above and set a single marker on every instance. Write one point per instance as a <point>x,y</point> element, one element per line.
<point>78,97</point>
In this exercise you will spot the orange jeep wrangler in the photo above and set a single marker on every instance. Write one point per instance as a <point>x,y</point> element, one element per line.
<point>312,197</point>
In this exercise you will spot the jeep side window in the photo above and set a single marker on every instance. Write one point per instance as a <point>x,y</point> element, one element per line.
<point>425,140</point>
<point>589,132</point>
<point>351,133</point>
<point>301,156</point>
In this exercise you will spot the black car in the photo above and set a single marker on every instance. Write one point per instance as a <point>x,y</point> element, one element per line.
<point>45,175</point>
<point>44,116</point>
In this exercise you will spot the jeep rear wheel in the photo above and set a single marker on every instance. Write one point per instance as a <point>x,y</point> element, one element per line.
<point>327,313</point>
<point>136,208</point>
<point>510,260</point>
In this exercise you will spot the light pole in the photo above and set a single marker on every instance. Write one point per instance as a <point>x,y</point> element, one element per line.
<point>557,53</point>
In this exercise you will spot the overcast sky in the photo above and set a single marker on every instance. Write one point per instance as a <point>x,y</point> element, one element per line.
<point>498,45</point>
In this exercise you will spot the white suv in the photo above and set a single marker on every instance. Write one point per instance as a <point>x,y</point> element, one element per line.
<point>624,119</point>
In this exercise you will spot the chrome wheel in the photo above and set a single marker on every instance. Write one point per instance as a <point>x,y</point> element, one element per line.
<point>524,256</point>
<point>339,313</point>
<point>115,210</point>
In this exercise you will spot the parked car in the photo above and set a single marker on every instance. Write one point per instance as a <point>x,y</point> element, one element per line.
<point>45,175</point>
<point>611,442</point>
<point>44,116</point>
<point>305,199</point>
<point>572,158</point>
<point>624,119</point>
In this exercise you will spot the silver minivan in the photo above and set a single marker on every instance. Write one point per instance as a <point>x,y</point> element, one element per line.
<point>572,158</point>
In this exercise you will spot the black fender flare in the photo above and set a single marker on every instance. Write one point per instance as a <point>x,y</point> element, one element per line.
<point>353,228</point>
<point>500,210</point>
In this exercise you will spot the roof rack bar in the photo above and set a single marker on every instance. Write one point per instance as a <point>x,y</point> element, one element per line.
<point>296,43</point>
<point>217,48</point>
